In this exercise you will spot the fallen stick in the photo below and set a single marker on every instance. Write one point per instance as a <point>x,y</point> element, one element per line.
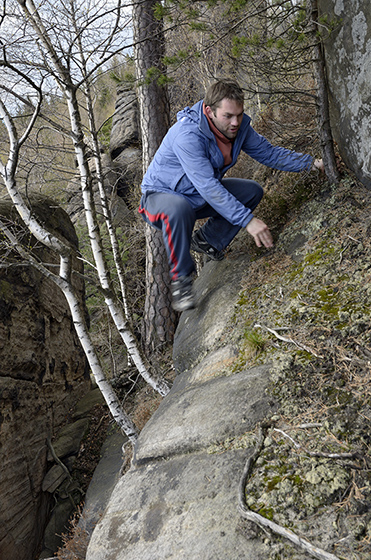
<point>353,455</point>
<point>285,339</point>
<point>263,522</point>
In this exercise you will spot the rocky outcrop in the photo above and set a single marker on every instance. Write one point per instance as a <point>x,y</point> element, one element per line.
<point>122,166</point>
<point>125,122</point>
<point>125,142</point>
<point>179,499</point>
<point>348,56</point>
<point>307,375</point>
<point>43,374</point>
<point>70,468</point>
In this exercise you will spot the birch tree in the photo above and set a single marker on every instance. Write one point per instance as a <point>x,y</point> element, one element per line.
<point>54,36</point>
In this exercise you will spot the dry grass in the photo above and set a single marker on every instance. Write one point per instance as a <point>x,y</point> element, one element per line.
<point>76,540</point>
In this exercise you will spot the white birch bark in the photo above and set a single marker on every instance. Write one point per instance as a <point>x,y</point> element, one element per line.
<point>99,171</point>
<point>113,305</point>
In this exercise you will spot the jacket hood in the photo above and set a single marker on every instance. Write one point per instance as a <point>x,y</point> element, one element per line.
<point>192,113</point>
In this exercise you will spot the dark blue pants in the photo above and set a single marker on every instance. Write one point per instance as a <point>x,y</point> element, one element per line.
<point>175,217</point>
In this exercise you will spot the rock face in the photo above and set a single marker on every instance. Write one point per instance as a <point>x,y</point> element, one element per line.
<point>122,166</point>
<point>125,123</point>
<point>348,56</point>
<point>125,146</point>
<point>179,499</point>
<point>43,374</point>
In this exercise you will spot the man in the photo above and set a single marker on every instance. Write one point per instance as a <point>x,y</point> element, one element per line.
<point>184,182</point>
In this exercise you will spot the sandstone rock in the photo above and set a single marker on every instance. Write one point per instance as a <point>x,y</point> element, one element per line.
<point>69,439</point>
<point>54,477</point>
<point>180,509</point>
<point>125,122</point>
<point>348,56</point>
<point>105,478</point>
<point>200,329</point>
<point>57,526</point>
<point>179,499</point>
<point>43,374</point>
<point>128,169</point>
<point>88,401</point>
<point>195,417</point>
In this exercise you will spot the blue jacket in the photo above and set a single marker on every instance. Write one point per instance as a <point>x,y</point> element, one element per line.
<point>190,163</point>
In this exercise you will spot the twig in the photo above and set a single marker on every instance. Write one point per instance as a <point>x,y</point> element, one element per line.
<point>263,522</point>
<point>248,466</point>
<point>308,425</point>
<point>284,339</point>
<point>57,459</point>
<point>319,453</point>
<point>341,254</point>
<point>297,445</point>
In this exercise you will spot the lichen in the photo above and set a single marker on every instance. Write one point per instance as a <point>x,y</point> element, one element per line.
<point>320,300</point>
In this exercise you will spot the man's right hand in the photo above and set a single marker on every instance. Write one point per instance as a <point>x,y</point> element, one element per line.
<point>260,232</point>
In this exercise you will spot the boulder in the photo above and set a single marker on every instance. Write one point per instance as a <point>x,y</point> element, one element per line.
<point>179,499</point>
<point>348,58</point>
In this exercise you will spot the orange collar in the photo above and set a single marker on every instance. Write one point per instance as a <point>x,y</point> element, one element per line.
<point>224,143</point>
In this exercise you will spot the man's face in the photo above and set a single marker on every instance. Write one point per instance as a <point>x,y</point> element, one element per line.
<point>227,117</point>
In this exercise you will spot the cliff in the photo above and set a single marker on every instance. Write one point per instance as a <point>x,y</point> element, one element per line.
<point>43,374</point>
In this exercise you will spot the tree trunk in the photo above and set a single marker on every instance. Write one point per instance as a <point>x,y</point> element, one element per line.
<point>323,111</point>
<point>159,317</point>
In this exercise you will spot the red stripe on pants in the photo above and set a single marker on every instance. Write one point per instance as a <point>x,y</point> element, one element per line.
<point>153,218</point>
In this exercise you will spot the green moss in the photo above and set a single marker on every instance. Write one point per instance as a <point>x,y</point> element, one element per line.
<point>6,290</point>
<point>324,302</point>
<point>335,396</point>
<point>265,512</point>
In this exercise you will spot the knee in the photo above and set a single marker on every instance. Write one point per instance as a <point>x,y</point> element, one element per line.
<point>259,192</point>
<point>246,191</point>
<point>181,209</point>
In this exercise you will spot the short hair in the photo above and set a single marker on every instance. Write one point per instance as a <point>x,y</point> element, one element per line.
<point>223,89</point>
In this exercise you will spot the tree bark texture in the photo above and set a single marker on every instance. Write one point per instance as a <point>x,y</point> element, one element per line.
<point>323,110</point>
<point>159,317</point>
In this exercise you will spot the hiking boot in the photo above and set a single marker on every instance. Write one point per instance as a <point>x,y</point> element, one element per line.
<point>200,245</point>
<point>181,290</point>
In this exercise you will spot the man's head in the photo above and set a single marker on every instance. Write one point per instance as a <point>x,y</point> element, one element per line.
<point>223,89</point>
<point>224,106</point>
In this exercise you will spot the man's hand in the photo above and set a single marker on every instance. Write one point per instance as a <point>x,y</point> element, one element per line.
<point>318,164</point>
<point>260,232</point>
